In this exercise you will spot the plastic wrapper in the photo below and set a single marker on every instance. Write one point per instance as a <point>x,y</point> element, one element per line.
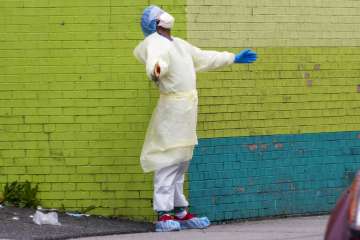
<point>46,218</point>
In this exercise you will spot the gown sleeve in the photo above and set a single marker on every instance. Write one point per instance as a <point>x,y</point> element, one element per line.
<point>151,53</point>
<point>205,60</point>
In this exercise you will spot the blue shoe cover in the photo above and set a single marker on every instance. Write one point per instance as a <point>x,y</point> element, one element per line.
<point>195,223</point>
<point>167,226</point>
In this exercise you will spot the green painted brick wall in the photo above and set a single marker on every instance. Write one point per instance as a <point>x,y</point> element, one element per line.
<point>75,104</point>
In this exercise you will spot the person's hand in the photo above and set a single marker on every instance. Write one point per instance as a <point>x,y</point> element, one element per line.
<point>245,56</point>
<point>157,70</point>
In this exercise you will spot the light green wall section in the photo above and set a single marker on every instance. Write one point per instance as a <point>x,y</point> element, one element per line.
<point>306,78</point>
<point>269,23</point>
<point>288,91</point>
<point>74,102</point>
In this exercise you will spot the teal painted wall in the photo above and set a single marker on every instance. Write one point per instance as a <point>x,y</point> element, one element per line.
<point>276,175</point>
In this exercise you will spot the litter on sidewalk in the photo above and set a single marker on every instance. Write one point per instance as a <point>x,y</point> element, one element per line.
<point>18,223</point>
<point>50,218</point>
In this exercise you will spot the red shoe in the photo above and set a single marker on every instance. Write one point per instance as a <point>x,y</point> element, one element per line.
<point>188,216</point>
<point>166,217</point>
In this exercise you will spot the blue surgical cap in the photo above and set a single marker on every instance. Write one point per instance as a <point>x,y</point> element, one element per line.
<point>148,19</point>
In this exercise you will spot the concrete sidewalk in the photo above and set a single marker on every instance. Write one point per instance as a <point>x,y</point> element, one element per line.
<point>299,228</point>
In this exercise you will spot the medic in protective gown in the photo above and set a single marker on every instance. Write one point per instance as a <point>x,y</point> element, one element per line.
<point>171,135</point>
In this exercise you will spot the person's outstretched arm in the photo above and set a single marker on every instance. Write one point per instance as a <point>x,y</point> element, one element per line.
<point>205,60</point>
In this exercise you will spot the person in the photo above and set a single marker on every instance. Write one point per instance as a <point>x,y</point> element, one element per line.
<point>168,147</point>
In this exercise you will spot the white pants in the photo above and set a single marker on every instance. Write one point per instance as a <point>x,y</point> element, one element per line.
<point>168,187</point>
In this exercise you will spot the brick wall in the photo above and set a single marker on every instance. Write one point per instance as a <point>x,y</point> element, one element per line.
<point>279,137</point>
<point>274,175</point>
<point>269,23</point>
<point>306,78</point>
<point>74,103</point>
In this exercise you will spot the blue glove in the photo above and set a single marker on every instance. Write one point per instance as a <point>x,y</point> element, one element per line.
<point>245,56</point>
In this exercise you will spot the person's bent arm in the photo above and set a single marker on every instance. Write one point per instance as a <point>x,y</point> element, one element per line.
<point>155,58</point>
<point>157,61</point>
